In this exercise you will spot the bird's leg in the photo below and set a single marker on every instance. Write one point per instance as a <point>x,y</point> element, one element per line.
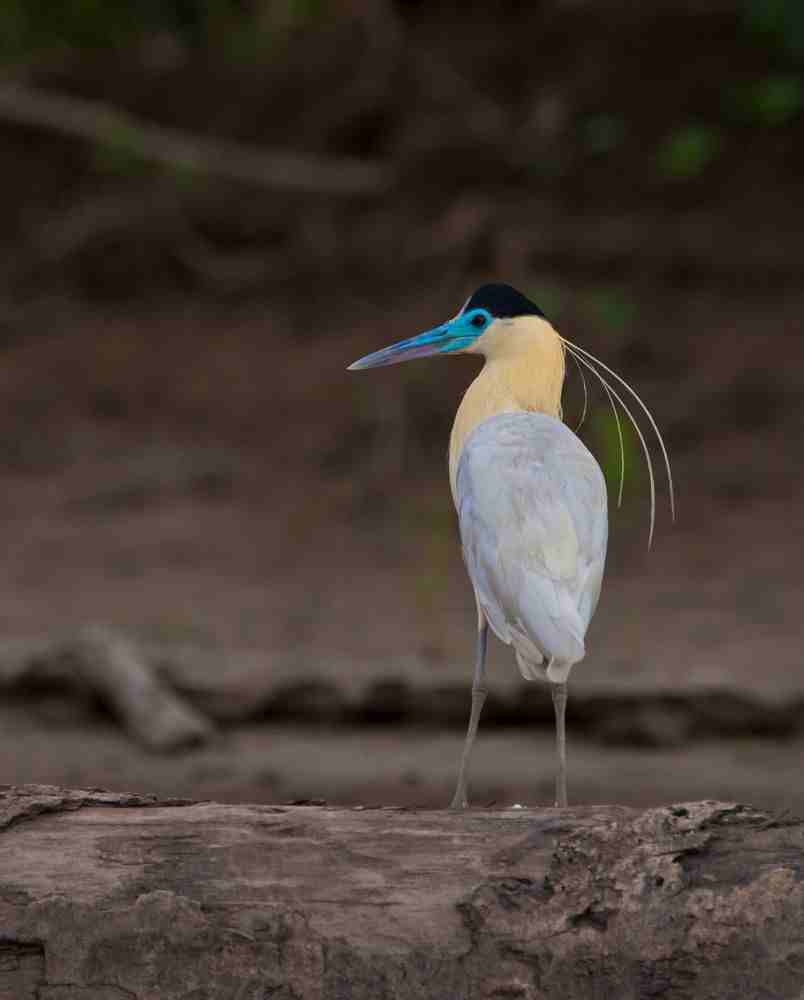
<point>478,697</point>
<point>559,692</point>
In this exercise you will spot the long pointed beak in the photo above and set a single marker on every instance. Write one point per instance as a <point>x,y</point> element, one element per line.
<point>432,342</point>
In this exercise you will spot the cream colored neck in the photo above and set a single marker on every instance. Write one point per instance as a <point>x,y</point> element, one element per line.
<point>524,370</point>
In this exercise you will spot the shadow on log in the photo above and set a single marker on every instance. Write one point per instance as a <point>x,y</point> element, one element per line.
<point>115,897</point>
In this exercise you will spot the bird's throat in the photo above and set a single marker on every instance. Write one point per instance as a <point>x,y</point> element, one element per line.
<point>524,370</point>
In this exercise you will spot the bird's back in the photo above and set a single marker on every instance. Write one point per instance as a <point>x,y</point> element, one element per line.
<point>532,508</point>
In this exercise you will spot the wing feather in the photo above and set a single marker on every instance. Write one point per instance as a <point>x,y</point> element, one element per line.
<point>533,518</point>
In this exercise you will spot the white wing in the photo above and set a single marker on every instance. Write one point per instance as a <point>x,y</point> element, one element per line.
<point>532,508</point>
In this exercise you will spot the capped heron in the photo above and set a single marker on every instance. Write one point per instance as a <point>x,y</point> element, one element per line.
<point>530,497</point>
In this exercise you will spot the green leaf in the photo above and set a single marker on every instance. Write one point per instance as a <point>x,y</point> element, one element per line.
<point>611,307</point>
<point>779,24</point>
<point>687,152</point>
<point>606,446</point>
<point>772,102</point>
<point>120,152</point>
<point>550,297</point>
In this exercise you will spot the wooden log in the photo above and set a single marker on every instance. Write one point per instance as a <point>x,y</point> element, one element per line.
<point>116,897</point>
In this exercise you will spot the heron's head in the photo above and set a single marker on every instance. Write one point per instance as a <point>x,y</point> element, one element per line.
<point>509,330</point>
<point>493,319</point>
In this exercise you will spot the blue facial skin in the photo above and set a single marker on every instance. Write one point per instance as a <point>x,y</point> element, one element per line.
<point>457,335</point>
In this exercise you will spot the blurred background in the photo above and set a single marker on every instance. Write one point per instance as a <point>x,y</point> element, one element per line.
<point>208,210</point>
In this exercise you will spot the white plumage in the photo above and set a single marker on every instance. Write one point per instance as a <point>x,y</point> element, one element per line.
<point>531,502</point>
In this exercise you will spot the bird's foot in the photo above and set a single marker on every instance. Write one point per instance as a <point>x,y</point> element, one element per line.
<point>459,802</point>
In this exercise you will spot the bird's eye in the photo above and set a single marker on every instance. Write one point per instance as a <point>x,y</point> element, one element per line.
<point>479,320</point>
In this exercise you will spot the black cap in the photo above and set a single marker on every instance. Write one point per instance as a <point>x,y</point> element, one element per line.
<point>502,301</point>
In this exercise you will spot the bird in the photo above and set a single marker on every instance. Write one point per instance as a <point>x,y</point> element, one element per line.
<point>531,499</point>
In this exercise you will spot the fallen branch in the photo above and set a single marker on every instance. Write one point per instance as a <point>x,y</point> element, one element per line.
<point>277,169</point>
<point>118,896</point>
<point>152,713</point>
<point>111,668</point>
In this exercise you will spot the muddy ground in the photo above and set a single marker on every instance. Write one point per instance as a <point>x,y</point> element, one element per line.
<point>200,540</point>
<point>184,457</point>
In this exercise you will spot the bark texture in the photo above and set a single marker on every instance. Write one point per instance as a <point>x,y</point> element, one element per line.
<point>115,897</point>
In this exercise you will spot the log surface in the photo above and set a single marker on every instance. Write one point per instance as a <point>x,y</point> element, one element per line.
<point>114,897</point>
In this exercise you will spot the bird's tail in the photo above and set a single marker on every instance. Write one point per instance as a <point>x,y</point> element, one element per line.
<point>531,670</point>
<point>554,671</point>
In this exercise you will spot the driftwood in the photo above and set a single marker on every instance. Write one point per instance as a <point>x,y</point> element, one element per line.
<point>115,897</point>
<point>112,667</point>
<point>105,664</point>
